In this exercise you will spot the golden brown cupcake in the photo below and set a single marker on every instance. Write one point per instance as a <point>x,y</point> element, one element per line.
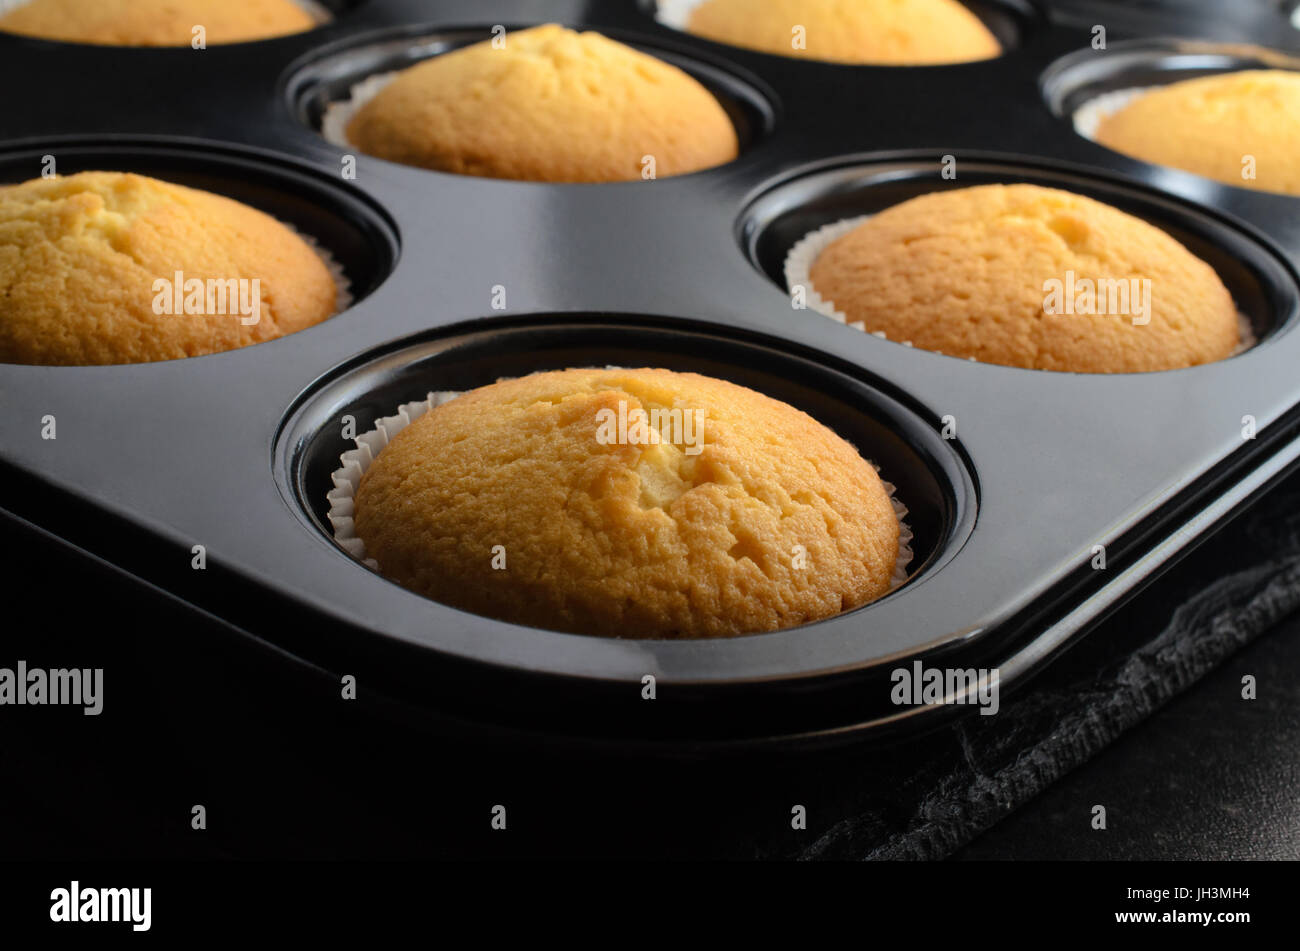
<point>551,105</point>
<point>1238,128</point>
<point>156,22</point>
<point>883,32</point>
<point>539,501</point>
<point>109,267</point>
<point>1001,274</point>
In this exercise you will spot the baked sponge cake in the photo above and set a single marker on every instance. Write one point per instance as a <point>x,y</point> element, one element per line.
<point>156,22</point>
<point>110,267</point>
<point>550,105</point>
<point>1240,128</point>
<point>1027,276</point>
<point>883,32</point>
<point>748,516</point>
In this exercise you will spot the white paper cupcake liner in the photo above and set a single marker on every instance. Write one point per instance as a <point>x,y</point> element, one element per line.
<point>800,258</point>
<point>1089,115</point>
<point>675,13</point>
<point>905,554</point>
<point>334,121</point>
<point>355,462</point>
<point>798,272</point>
<point>343,286</point>
<point>318,12</point>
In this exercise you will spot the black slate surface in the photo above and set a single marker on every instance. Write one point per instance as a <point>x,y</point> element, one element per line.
<point>1210,777</point>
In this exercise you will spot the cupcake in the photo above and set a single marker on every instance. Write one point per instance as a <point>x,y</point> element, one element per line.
<point>1026,276</point>
<point>1238,128</point>
<point>629,503</point>
<point>884,32</point>
<point>156,22</point>
<point>109,267</point>
<point>550,105</point>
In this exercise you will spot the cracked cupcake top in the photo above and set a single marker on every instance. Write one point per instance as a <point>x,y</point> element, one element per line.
<point>629,503</point>
<point>110,267</point>
<point>1032,277</point>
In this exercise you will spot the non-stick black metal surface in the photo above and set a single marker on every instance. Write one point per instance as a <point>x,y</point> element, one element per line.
<point>232,451</point>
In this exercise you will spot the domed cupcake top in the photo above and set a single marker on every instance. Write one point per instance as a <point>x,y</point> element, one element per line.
<point>156,22</point>
<point>1032,277</point>
<point>629,503</point>
<point>1239,128</point>
<point>111,267</point>
<point>547,104</point>
<point>882,32</point>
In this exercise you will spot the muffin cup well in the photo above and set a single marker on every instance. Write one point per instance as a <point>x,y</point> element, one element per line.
<point>804,253</point>
<point>327,88</point>
<point>353,238</point>
<point>1084,87</point>
<point>748,685</point>
<point>355,463</point>
<point>1087,90</point>
<point>797,210</point>
<point>321,466</point>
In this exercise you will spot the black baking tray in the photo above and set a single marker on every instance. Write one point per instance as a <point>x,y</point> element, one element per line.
<point>233,451</point>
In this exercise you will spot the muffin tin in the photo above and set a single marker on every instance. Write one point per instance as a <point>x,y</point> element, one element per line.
<point>233,451</point>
